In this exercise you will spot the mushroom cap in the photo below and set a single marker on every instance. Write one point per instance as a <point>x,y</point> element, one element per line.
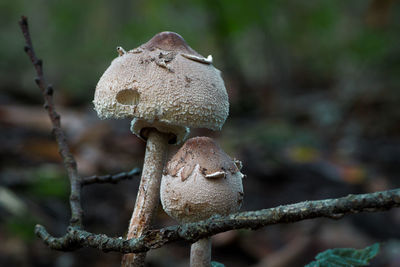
<point>200,181</point>
<point>163,84</point>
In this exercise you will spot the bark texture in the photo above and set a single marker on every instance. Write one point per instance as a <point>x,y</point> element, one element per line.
<point>191,232</point>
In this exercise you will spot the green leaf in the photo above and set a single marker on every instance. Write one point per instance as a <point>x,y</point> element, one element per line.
<point>346,257</point>
<point>217,264</point>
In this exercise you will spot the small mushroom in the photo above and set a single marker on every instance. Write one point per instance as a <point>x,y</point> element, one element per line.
<point>213,186</point>
<point>165,94</point>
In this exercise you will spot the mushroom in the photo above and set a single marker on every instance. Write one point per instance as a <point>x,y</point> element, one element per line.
<point>200,181</point>
<point>166,88</point>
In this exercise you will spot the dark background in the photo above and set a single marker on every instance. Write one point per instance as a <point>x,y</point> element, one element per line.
<point>314,88</point>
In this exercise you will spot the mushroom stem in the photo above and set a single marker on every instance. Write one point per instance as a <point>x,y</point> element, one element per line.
<point>148,195</point>
<point>200,253</point>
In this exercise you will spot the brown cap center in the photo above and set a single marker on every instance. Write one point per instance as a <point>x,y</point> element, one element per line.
<point>169,41</point>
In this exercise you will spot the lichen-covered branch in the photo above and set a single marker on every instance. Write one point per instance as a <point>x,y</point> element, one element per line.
<point>113,179</point>
<point>68,159</point>
<point>329,208</point>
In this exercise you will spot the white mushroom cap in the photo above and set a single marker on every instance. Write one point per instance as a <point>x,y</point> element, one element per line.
<point>163,84</point>
<point>200,181</point>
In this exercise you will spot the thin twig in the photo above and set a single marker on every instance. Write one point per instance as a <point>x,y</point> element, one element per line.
<point>68,159</point>
<point>329,208</point>
<point>113,179</point>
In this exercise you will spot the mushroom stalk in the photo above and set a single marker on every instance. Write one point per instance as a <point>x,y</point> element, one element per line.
<point>200,253</point>
<point>148,195</point>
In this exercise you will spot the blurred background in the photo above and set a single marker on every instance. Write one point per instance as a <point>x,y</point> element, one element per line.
<point>314,88</point>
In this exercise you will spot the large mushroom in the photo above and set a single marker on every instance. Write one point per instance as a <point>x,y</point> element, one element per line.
<point>200,181</point>
<point>166,88</point>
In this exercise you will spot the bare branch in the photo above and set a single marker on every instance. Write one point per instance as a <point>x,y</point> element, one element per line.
<point>68,159</point>
<point>113,179</point>
<point>329,208</point>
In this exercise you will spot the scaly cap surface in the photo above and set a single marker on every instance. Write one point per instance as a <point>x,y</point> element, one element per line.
<point>201,180</point>
<point>163,84</point>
